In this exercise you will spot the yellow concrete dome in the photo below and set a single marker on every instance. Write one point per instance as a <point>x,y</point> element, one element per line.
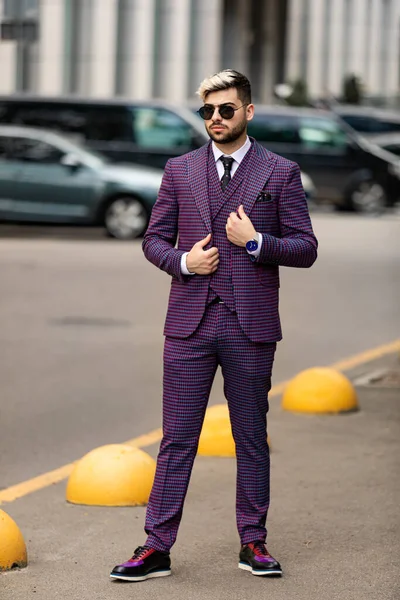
<point>112,475</point>
<point>320,390</point>
<point>12,546</point>
<point>216,436</point>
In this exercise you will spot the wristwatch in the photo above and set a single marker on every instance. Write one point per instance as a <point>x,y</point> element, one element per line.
<point>252,245</point>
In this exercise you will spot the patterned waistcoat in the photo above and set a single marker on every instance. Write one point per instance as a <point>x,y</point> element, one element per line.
<point>222,203</point>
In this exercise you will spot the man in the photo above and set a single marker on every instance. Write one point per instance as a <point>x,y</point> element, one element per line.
<point>236,212</point>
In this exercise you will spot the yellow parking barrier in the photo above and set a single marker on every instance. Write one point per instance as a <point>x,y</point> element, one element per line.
<point>112,475</point>
<point>320,390</point>
<point>216,437</point>
<point>12,546</point>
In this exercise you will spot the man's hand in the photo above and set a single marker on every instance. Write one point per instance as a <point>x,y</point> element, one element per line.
<point>239,228</point>
<point>202,262</point>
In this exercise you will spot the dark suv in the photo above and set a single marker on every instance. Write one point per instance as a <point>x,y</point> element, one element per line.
<point>346,171</point>
<point>147,133</point>
<point>368,119</point>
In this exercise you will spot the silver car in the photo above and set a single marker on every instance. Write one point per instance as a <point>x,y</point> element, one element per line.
<point>45,177</point>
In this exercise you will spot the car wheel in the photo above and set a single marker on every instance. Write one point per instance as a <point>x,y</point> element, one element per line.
<point>125,218</point>
<point>368,197</point>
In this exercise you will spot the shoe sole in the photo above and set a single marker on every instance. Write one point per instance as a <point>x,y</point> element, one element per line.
<point>141,578</point>
<point>246,567</point>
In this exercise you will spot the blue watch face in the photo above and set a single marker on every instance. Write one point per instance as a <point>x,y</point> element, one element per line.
<point>251,246</point>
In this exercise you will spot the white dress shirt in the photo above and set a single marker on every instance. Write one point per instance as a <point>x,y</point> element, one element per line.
<point>237,156</point>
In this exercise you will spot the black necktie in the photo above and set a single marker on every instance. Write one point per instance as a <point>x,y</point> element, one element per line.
<point>226,177</point>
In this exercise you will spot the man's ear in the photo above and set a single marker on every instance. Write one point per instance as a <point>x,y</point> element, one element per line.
<point>250,112</point>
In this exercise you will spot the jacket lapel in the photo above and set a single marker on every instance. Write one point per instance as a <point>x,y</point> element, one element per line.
<point>259,170</point>
<point>197,175</point>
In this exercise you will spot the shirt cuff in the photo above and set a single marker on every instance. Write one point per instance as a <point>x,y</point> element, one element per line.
<point>184,268</point>
<point>256,253</point>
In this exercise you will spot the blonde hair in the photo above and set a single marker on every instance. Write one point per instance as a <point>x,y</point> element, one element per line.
<point>223,81</point>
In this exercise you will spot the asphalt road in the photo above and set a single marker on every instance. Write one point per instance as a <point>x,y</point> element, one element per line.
<point>333,522</point>
<point>81,333</point>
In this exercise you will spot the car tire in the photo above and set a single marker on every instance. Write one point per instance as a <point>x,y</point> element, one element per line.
<point>125,218</point>
<point>367,197</point>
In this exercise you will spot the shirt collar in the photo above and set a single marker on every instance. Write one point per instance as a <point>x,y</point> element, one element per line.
<point>238,155</point>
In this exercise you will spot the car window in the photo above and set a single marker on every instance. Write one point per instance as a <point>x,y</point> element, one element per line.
<point>393,148</point>
<point>316,133</point>
<point>160,128</point>
<point>366,124</point>
<point>4,147</point>
<point>63,118</point>
<point>390,126</point>
<point>34,151</point>
<point>4,112</point>
<point>273,128</point>
<point>109,124</point>
<point>362,123</point>
<point>79,122</point>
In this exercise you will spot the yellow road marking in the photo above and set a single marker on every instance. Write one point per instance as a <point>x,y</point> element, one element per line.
<point>37,483</point>
<point>367,356</point>
<point>41,481</point>
<point>146,440</point>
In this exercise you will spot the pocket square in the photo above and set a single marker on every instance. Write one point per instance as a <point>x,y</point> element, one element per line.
<point>264,196</point>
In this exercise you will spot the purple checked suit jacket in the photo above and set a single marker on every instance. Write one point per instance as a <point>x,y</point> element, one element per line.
<point>273,198</point>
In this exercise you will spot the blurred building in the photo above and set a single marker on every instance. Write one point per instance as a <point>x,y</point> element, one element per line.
<point>164,48</point>
<point>139,48</point>
<point>330,39</point>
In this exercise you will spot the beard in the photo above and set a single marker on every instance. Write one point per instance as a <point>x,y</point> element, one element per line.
<point>227,136</point>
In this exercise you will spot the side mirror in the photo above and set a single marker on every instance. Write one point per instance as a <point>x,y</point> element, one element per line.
<point>71,161</point>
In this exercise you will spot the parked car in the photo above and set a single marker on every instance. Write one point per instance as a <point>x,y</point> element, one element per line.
<point>147,133</point>
<point>45,177</point>
<point>367,119</point>
<point>387,141</point>
<point>346,172</point>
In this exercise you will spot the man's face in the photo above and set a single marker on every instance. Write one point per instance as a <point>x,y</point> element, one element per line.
<point>225,131</point>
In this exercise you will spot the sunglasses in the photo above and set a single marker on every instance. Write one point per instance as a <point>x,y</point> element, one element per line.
<point>226,111</point>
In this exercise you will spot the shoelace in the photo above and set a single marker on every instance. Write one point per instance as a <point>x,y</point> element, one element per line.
<point>259,549</point>
<point>141,552</point>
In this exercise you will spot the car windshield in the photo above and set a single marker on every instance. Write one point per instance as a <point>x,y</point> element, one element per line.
<point>159,127</point>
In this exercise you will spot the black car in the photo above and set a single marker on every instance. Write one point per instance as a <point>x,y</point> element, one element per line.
<point>346,172</point>
<point>367,119</point>
<point>147,133</point>
<point>387,141</point>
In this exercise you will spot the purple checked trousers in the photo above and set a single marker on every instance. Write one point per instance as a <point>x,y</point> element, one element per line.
<point>189,369</point>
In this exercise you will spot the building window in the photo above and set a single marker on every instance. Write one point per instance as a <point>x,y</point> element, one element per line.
<point>19,23</point>
<point>20,9</point>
